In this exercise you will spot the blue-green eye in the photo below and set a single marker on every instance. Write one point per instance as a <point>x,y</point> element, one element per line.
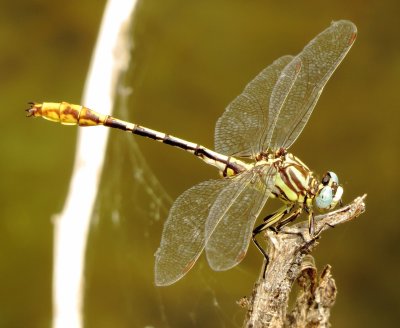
<point>334,177</point>
<point>324,198</point>
<point>330,178</point>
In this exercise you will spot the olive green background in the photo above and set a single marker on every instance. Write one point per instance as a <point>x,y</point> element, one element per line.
<point>191,58</point>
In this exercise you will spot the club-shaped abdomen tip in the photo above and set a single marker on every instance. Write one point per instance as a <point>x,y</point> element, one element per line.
<point>35,109</point>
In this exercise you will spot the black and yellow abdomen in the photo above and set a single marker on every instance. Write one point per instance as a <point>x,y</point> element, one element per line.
<point>67,114</point>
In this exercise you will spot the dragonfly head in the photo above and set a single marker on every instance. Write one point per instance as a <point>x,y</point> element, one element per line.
<point>329,192</point>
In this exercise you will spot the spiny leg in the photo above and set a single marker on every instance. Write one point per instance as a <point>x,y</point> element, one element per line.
<point>316,236</point>
<point>269,220</point>
<point>267,224</point>
<point>293,216</point>
<point>311,222</point>
<point>311,225</point>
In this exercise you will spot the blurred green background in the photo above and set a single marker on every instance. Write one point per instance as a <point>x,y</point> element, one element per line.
<point>191,58</point>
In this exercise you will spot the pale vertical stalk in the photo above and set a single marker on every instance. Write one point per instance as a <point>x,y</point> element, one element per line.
<point>111,58</point>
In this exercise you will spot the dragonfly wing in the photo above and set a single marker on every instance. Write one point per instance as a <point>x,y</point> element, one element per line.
<point>231,220</point>
<point>183,236</point>
<point>240,128</point>
<point>319,59</point>
<point>279,97</point>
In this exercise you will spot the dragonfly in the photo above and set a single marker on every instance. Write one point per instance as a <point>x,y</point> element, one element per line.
<point>252,138</point>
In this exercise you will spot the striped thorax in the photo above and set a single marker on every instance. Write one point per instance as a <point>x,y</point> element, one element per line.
<point>294,181</point>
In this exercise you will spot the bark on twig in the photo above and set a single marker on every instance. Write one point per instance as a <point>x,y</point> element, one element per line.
<point>289,260</point>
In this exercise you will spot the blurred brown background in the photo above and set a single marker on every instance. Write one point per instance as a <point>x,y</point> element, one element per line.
<point>191,59</point>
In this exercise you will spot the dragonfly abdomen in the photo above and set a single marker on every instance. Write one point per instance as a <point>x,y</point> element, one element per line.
<point>229,166</point>
<point>70,114</point>
<point>67,114</point>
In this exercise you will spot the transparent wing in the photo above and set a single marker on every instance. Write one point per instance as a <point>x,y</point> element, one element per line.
<point>319,59</point>
<point>279,96</point>
<point>231,220</point>
<point>183,236</point>
<point>241,127</point>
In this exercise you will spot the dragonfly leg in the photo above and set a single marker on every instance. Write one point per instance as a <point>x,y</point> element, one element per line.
<point>271,219</point>
<point>325,224</point>
<point>293,215</point>
<point>311,223</point>
<point>267,224</point>
<point>290,218</point>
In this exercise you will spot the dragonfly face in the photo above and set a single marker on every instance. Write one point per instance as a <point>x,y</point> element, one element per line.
<point>329,192</point>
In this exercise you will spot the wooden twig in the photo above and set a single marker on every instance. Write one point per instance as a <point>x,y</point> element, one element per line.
<point>289,260</point>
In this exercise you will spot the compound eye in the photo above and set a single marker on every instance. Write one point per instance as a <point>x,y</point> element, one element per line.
<point>326,178</point>
<point>330,178</point>
<point>334,177</point>
<point>324,198</point>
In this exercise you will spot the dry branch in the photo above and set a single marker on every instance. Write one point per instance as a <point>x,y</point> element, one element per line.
<point>289,260</point>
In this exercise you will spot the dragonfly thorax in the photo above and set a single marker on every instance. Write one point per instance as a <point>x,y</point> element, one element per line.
<point>296,183</point>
